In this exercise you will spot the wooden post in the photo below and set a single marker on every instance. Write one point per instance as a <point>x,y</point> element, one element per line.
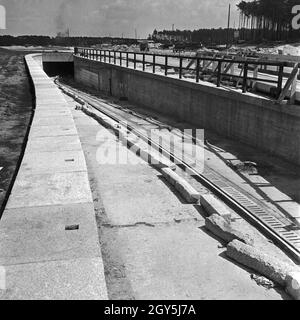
<point>198,70</point>
<point>214,71</point>
<point>280,77</point>
<point>166,65</point>
<point>294,87</point>
<point>134,60</point>
<point>219,73</point>
<point>205,67</point>
<point>255,75</point>
<point>245,78</point>
<point>239,79</point>
<point>180,68</point>
<point>292,81</point>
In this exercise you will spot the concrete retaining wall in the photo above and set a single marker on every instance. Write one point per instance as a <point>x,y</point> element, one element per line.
<point>250,119</point>
<point>57,57</point>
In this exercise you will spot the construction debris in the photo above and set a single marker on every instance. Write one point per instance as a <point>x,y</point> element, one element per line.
<point>262,281</point>
<point>223,229</point>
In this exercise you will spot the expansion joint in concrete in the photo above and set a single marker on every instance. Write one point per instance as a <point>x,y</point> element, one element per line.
<point>147,224</point>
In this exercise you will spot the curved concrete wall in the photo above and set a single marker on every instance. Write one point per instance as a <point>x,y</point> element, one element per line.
<point>49,244</point>
<point>245,117</point>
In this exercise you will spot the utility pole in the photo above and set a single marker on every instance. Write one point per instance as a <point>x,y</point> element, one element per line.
<point>135,34</point>
<point>228,25</point>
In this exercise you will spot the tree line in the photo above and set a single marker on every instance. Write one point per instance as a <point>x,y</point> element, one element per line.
<point>267,20</point>
<point>204,36</point>
<point>31,40</point>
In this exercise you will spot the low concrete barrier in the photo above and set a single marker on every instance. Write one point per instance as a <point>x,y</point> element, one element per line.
<point>282,273</point>
<point>254,259</point>
<point>153,157</point>
<point>181,185</point>
<point>212,205</point>
<point>293,284</point>
<point>223,229</point>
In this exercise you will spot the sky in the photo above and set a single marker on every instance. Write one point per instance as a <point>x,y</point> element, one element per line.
<point>114,17</point>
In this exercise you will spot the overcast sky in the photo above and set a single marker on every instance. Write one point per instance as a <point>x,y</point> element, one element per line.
<point>114,17</point>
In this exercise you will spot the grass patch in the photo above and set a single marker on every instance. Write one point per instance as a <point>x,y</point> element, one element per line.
<point>15,113</point>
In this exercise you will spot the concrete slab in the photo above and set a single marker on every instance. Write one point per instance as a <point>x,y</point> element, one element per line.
<point>172,262</point>
<point>212,205</point>
<point>79,279</point>
<point>50,104</point>
<point>52,162</point>
<point>44,99</point>
<point>127,197</point>
<point>65,120</point>
<point>50,189</point>
<point>49,92</point>
<point>57,112</point>
<point>38,74</point>
<point>188,192</point>
<point>41,78</point>
<point>52,131</point>
<point>53,144</point>
<point>44,83</point>
<point>39,234</point>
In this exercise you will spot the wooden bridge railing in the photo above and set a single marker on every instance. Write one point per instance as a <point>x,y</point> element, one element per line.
<point>241,72</point>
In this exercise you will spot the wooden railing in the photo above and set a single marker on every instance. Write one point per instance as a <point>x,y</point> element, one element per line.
<point>240,72</point>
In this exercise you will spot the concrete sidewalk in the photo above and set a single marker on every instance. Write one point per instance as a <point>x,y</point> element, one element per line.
<point>49,244</point>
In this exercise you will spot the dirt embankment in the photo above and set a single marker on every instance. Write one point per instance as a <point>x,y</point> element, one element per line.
<point>16,107</point>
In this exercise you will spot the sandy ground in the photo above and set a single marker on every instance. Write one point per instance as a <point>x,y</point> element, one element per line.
<point>15,113</point>
<point>154,245</point>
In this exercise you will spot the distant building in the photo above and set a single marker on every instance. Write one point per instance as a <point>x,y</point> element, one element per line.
<point>172,36</point>
<point>64,34</point>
